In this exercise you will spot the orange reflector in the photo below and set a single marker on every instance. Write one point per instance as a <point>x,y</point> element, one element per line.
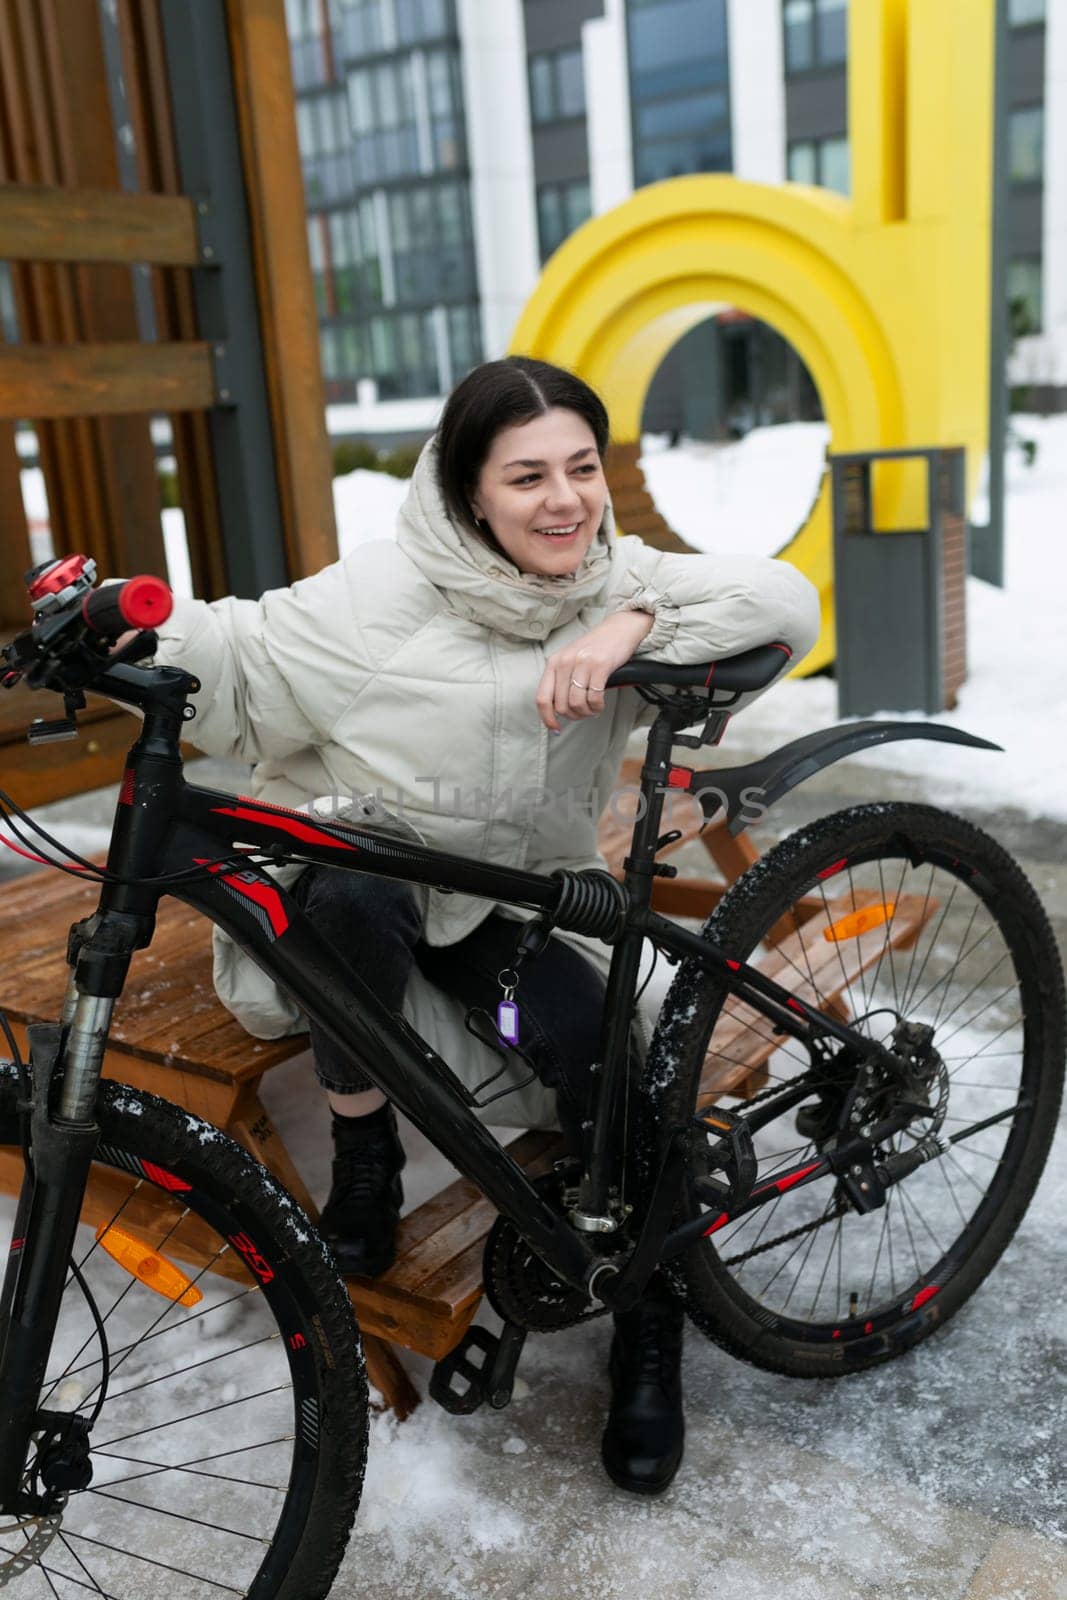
<point>147,1265</point>
<point>857,922</point>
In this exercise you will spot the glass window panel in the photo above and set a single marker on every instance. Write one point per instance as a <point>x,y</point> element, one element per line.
<point>383,344</point>
<point>1024,296</point>
<point>340,251</point>
<point>677,30</point>
<point>831,30</point>
<point>691,114</point>
<point>1021,12</point>
<point>799,44</point>
<point>387,88</point>
<point>450,213</point>
<point>570,83</point>
<point>447,144</point>
<point>577,205</point>
<point>360,101</point>
<point>834,165</point>
<point>673,158</point>
<point>316,253</point>
<point>801,162</point>
<point>550,221</point>
<point>439,83</point>
<point>1026,141</point>
<point>400,221</point>
<point>542,94</point>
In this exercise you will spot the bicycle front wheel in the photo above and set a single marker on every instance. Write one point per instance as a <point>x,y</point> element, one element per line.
<point>923,934</point>
<point>229,1430</point>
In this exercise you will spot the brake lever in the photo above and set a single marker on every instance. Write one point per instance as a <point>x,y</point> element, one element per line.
<point>141,646</point>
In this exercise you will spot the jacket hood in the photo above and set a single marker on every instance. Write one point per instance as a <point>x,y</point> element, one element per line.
<point>482,584</point>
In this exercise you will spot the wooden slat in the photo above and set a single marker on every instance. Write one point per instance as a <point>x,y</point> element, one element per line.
<point>274,183</point>
<point>15,557</point>
<point>40,381</point>
<point>149,107</point>
<point>39,223</point>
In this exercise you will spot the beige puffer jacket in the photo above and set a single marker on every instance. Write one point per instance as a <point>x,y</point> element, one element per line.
<point>398,684</point>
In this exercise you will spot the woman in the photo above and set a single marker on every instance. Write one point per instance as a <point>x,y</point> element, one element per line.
<point>459,672</point>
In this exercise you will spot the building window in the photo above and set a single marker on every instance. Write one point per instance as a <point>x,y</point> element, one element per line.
<point>1026,144</point>
<point>1023,12</point>
<point>433,258</point>
<point>820,161</point>
<point>1024,295</point>
<point>382,106</point>
<point>464,339</point>
<point>561,207</point>
<point>308,43</point>
<point>679,78</point>
<point>816,33</point>
<point>419,20</point>
<point>557,85</point>
<point>325,139</point>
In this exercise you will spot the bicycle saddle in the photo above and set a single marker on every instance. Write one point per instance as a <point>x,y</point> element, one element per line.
<point>752,669</point>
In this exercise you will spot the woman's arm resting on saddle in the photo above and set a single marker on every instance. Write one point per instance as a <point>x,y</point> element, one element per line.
<point>706,607</point>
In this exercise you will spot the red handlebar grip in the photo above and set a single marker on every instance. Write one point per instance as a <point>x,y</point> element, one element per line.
<point>142,602</point>
<point>146,602</point>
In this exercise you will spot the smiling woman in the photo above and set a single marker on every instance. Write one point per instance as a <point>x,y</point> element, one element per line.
<point>435,666</point>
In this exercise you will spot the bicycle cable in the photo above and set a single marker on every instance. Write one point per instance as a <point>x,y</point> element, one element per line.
<point>92,872</point>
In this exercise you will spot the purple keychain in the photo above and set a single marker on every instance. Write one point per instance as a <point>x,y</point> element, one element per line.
<point>507,1012</point>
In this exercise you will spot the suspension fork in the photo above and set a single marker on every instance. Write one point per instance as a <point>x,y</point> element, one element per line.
<point>66,1062</point>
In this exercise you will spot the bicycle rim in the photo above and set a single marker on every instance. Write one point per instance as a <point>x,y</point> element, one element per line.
<point>215,1470</point>
<point>955,941</point>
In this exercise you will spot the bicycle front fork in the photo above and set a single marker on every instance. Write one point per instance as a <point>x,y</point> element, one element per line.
<point>66,1062</point>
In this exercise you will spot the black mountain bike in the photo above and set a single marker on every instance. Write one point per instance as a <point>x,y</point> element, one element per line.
<point>183,1404</point>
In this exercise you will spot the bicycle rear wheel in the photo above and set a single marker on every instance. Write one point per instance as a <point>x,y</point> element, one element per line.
<point>891,916</point>
<point>229,1449</point>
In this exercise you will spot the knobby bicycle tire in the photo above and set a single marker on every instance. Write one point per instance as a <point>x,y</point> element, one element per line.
<point>257,1391</point>
<point>998,1019</point>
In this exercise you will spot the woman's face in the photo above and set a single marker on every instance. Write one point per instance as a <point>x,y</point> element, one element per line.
<point>542,492</point>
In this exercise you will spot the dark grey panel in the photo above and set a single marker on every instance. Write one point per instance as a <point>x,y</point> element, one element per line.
<point>1026,67</point>
<point>816,104</point>
<point>561,151</point>
<point>1024,220</point>
<point>555,24</point>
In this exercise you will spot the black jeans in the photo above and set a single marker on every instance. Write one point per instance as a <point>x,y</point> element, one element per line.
<point>375,926</point>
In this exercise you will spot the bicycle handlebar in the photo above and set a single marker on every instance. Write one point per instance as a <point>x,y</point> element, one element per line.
<point>66,648</point>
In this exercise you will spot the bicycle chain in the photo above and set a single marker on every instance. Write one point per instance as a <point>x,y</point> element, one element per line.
<point>785,1238</point>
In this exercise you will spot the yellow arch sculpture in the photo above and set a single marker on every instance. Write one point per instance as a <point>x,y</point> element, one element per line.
<point>885,296</point>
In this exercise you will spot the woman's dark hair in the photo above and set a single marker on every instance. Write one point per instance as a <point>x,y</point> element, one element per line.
<point>504,394</point>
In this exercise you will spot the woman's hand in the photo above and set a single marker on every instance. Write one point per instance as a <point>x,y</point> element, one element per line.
<point>574,677</point>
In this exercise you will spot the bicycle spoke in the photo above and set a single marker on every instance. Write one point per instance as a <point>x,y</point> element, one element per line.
<point>150,1561</point>
<point>168,1377</point>
<point>179,1516</point>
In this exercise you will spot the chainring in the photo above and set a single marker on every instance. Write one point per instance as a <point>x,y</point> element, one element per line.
<point>521,1288</point>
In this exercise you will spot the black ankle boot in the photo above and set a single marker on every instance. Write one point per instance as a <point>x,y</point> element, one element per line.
<point>645,1435</point>
<point>362,1210</point>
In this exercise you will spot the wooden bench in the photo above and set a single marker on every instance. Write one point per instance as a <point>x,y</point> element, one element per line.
<point>172,1037</point>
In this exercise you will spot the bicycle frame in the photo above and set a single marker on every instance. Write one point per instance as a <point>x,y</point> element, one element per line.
<point>164,825</point>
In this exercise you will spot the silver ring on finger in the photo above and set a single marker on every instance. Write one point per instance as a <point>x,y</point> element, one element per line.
<point>578,685</point>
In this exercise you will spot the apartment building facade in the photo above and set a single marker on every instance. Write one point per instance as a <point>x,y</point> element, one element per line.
<point>450,146</point>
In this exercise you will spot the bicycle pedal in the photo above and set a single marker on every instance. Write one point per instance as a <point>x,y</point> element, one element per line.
<point>738,1158</point>
<point>492,1378</point>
